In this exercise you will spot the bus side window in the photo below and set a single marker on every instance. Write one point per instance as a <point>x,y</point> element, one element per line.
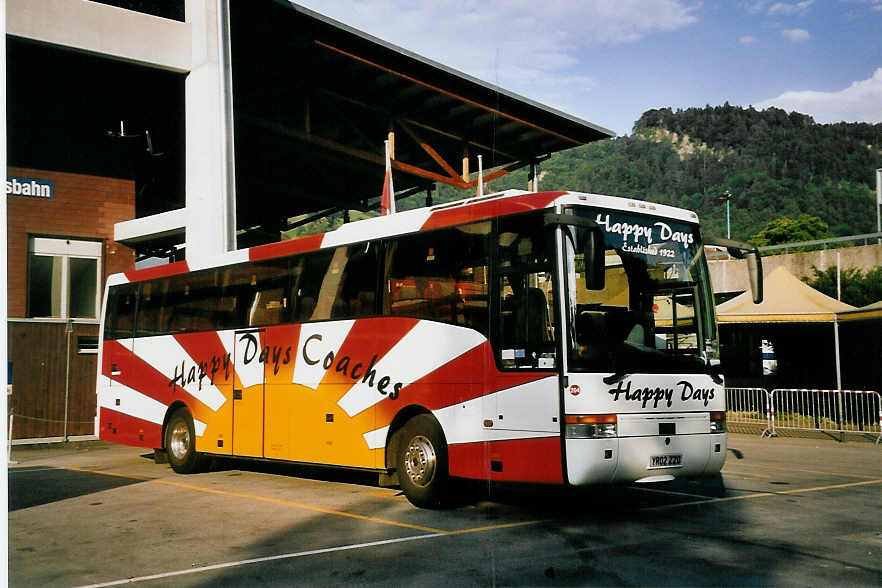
<point>120,317</point>
<point>439,275</point>
<point>192,300</point>
<point>525,335</point>
<point>269,304</point>
<point>307,272</point>
<point>472,276</point>
<point>356,294</point>
<point>526,320</point>
<point>235,297</point>
<point>251,295</point>
<point>152,310</point>
<point>420,281</point>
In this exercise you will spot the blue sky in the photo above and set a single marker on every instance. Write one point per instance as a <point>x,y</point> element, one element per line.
<point>607,61</point>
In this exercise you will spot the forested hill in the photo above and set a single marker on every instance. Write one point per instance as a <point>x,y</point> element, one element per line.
<point>773,164</point>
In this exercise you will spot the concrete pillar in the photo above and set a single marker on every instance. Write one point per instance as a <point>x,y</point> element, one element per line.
<point>211,180</point>
<point>4,434</point>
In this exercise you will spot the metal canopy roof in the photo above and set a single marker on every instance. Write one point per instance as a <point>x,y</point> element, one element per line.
<point>315,99</point>
<point>313,102</point>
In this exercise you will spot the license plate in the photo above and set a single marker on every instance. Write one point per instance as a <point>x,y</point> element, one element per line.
<point>665,461</point>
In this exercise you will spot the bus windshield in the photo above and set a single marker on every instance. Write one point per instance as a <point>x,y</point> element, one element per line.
<point>655,312</point>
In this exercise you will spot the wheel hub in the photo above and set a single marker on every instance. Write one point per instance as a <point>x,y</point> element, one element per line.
<point>420,461</point>
<point>179,440</point>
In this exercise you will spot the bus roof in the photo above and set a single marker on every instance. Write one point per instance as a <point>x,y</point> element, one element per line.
<point>421,219</point>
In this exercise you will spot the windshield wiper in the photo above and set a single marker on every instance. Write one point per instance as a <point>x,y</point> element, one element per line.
<point>616,377</point>
<point>715,372</point>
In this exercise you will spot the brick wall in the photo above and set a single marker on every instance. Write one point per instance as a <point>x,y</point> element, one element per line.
<point>83,206</point>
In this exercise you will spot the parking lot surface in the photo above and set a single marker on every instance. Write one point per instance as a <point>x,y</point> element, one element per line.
<point>784,512</point>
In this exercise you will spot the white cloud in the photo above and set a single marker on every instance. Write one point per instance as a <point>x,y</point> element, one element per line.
<point>875,5</point>
<point>515,44</point>
<point>755,7</point>
<point>748,40</point>
<point>859,102</point>
<point>796,35</point>
<point>789,9</point>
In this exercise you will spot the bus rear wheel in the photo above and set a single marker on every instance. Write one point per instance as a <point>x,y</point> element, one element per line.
<point>421,463</point>
<point>180,443</point>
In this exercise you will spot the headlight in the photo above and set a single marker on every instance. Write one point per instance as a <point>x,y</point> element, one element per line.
<point>590,426</point>
<point>718,422</point>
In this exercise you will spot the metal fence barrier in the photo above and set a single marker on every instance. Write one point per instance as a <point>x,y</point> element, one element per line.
<point>749,407</point>
<point>855,412</point>
<point>830,411</point>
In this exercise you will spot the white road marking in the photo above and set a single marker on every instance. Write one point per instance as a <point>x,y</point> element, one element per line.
<point>246,562</point>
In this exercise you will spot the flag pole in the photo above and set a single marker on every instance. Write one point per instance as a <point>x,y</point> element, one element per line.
<point>480,176</point>
<point>387,200</point>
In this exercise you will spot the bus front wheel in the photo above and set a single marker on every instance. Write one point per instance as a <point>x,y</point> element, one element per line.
<point>422,463</point>
<point>180,443</point>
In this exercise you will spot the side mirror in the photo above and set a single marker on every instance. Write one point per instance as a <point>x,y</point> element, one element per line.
<point>749,253</point>
<point>595,260</point>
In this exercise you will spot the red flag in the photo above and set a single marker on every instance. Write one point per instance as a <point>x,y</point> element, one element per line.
<point>387,202</point>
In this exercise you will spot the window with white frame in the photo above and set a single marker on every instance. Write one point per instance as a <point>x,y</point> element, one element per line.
<point>64,278</point>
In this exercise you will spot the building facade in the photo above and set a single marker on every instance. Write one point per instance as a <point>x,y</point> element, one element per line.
<point>146,90</point>
<point>60,251</point>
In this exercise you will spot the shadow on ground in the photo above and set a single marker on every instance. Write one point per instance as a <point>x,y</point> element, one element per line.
<point>34,486</point>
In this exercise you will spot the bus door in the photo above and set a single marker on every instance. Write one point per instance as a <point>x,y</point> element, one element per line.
<point>248,393</point>
<point>118,331</point>
<point>116,358</point>
<point>526,343</point>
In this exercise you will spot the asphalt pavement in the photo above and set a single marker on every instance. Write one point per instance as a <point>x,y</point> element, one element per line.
<point>784,512</point>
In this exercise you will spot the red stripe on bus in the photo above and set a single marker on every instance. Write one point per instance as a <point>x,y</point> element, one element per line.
<point>490,209</point>
<point>471,375</point>
<point>134,372</point>
<point>282,248</point>
<point>207,353</point>
<point>516,460</point>
<point>139,375</point>
<point>281,342</point>
<point>455,381</point>
<point>368,338</point>
<point>495,380</point>
<point>128,430</point>
<point>159,271</point>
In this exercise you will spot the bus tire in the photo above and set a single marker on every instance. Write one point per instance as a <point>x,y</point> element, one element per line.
<point>180,443</point>
<point>421,463</point>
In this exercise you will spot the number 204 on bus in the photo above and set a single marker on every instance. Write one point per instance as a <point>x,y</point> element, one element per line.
<point>549,338</point>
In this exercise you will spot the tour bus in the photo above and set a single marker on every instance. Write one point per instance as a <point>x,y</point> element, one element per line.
<point>546,337</point>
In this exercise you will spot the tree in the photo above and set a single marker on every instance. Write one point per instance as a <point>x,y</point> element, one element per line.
<point>792,230</point>
<point>858,288</point>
